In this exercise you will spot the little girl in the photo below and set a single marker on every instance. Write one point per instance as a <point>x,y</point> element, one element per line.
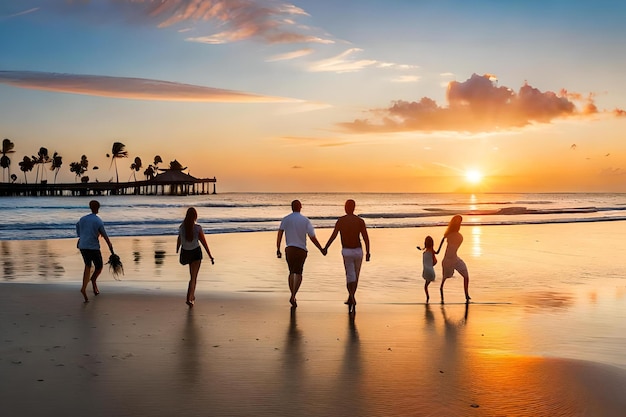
<point>429,260</point>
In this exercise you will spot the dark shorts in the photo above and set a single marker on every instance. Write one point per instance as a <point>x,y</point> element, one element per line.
<point>92,256</point>
<point>189,256</point>
<point>295,259</point>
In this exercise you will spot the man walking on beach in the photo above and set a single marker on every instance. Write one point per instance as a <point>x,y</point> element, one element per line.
<point>296,227</point>
<point>88,229</point>
<point>351,227</point>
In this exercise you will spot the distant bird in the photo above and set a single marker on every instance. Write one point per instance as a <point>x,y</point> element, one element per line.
<point>607,154</point>
<point>573,147</point>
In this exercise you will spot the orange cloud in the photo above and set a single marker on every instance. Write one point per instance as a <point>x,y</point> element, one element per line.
<point>129,88</point>
<point>267,20</point>
<point>476,105</point>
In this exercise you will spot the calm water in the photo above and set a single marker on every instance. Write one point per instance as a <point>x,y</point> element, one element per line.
<point>28,218</point>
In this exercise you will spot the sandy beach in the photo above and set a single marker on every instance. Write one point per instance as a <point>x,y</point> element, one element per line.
<point>543,337</point>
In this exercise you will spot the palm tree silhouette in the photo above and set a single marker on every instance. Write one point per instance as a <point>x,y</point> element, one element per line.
<point>57,161</point>
<point>79,168</point>
<point>136,166</point>
<point>41,159</point>
<point>117,151</point>
<point>26,165</point>
<point>152,169</point>
<point>5,161</point>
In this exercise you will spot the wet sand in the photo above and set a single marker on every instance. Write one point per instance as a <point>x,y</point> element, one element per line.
<point>137,353</point>
<point>545,346</point>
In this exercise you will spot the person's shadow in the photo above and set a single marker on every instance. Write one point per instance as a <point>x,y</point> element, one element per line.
<point>293,364</point>
<point>189,350</point>
<point>349,382</point>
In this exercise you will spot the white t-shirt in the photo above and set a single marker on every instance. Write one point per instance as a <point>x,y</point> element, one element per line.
<point>296,228</point>
<point>193,243</point>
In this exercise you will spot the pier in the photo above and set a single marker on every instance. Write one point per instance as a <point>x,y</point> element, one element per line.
<point>167,183</point>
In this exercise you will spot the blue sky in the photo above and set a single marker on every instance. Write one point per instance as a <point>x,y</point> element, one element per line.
<point>321,95</point>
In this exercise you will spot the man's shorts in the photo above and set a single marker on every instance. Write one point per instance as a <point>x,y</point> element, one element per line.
<point>92,256</point>
<point>295,259</point>
<point>459,265</point>
<point>352,260</point>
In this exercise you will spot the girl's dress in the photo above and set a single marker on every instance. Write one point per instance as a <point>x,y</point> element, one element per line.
<point>429,271</point>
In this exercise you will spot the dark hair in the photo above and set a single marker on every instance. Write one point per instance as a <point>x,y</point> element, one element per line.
<point>429,243</point>
<point>296,205</point>
<point>350,205</point>
<point>454,225</point>
<point>190,220</point>
<point>94,205</point>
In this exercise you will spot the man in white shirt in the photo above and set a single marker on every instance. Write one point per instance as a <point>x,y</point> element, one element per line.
<point>296,228</point>
<point>89,229</point>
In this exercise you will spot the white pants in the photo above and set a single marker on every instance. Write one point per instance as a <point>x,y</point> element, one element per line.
<point>352,260</point>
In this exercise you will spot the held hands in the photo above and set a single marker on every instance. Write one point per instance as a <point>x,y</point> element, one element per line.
<point>324,251</point>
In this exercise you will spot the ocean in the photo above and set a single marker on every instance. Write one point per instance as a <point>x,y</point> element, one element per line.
<point>40,218</point>
<point>546,269</point>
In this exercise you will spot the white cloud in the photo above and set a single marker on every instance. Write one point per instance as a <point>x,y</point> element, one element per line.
<point>290,55</point>
<point>406,79</point>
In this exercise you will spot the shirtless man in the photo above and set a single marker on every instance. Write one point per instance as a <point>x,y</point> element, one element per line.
<point>352,228</point>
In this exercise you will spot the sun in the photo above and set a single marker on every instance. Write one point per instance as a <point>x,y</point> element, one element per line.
<point>473,176</point>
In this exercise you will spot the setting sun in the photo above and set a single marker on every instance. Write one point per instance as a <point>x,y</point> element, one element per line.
<point>473,176</point>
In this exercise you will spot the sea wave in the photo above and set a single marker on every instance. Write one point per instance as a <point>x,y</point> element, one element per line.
<point>55,217</point>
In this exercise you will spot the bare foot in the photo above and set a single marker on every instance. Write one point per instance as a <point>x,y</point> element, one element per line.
<point>189,303</point>
<point>95,288</point>
<point>292,300</point>
<point>85,296</point>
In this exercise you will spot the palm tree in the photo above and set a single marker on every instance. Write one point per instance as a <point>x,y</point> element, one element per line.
<point>117,151</point>
<point>5,161</point>
<point>41,159</point>
<point>157,161</point>
<point>136,166</point>
<point>57,161</point>
<point>79,168</point>
<point>149,172</point>
<point>26,165</point>
<point>152,169</point>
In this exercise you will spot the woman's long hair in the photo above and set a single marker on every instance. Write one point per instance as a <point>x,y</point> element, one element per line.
<point>454,225</point>
<point>190,220</point>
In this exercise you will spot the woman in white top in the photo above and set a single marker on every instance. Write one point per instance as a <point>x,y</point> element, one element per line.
<point>190,236</point>
<point>451,260</point>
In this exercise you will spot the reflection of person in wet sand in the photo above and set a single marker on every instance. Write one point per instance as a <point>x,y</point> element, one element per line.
<point>89,229</point>
<point>451,260</point>
<point>351,227</point>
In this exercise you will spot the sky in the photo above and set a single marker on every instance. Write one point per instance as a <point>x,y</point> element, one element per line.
<point>320,95</point>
